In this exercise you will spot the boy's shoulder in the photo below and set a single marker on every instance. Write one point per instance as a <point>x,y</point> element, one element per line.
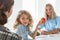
<point>5,34</point>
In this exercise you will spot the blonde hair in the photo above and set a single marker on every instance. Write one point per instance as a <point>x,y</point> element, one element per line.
<point>53,12</point>
<point>17,22</point>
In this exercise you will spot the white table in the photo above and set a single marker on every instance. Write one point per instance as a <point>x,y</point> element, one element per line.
<point>48,37</point>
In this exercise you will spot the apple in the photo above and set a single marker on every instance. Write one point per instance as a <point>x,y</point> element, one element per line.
<point>42,20</point>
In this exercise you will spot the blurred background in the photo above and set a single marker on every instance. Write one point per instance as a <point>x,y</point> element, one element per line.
<point>35,7</point>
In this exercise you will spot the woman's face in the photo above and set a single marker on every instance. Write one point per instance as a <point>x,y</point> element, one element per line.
<point>49,10</point>
<point>24,19</point>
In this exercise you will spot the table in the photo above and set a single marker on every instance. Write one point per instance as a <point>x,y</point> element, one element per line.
<point>48,37</point>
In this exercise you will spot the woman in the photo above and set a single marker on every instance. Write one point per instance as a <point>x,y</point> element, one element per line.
<point>6,7</point>
<point>52,24</point>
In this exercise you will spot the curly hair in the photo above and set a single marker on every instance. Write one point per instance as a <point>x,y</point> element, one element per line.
<point>18,17</point>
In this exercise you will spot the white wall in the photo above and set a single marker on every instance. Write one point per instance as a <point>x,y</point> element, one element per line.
<point>41,8</point>
<point>35,7</point>
<point>57,7</point>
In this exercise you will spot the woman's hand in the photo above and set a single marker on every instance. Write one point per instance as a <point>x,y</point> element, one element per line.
<point>50,32</point>
<point>44,33</point>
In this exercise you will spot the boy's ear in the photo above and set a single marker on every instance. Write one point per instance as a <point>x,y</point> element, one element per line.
<point>6,13</point>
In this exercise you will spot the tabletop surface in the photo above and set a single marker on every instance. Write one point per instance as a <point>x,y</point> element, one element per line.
<point>48,37</point>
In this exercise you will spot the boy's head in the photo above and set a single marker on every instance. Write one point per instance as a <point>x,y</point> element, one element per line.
<point>5,10</point>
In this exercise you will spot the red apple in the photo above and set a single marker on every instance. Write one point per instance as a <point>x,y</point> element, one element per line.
<point>42,20</point>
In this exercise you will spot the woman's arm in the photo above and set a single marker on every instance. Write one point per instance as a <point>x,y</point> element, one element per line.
<point>50,32</point>
<point>54,31</point>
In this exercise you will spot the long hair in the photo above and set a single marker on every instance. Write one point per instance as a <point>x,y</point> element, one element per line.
<point>5,5</point>
<point>17,22</point>
<point>53,12</point>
